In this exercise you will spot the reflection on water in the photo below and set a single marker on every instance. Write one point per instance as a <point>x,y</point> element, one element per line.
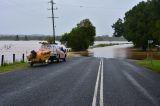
<point>116,51</point>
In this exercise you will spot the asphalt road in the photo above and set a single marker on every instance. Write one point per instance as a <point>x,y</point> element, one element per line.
<point>84,81</point>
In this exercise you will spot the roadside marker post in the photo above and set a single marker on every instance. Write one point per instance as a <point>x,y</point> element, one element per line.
<point>23,57</point>
<point>149,42</point>
<point>2,60</point>
<point>14,58</point>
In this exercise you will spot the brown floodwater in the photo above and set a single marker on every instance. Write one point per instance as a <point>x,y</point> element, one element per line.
<point>140,55</point>
<point>116,51</point>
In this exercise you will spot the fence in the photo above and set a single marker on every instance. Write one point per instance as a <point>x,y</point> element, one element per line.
<point>68,49</point>
<point>15,58</point>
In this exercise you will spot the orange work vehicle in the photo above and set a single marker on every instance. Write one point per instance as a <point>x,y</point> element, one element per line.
<point>40,56</point>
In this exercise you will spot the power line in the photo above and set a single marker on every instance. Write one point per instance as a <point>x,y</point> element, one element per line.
<point>53,17</point>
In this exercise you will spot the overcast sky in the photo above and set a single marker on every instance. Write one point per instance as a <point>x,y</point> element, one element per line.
<point>30,16</point>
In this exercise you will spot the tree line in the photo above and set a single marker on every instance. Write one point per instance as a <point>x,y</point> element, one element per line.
<point>140,24</point>
<point>27,37</point>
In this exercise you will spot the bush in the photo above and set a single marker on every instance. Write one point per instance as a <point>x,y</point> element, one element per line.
<point>80,37</point>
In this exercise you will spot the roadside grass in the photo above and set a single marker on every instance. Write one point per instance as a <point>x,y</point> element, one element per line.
<point>104,45</point>
<point>69,56</point>
<point>12,66</point>
<point>150,64</point>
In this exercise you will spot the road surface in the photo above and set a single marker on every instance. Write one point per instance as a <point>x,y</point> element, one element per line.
<point>81,81</point>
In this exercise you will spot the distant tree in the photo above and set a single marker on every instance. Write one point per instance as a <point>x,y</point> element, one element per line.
<point>87,30</point>
<point>17,37</point>
<point>118,28</point>
<point>50,40</point>
<point>25,38</point>
<point>64,39</point>
<point>58,38</point>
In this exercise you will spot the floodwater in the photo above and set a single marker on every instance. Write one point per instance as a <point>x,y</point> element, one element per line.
<point>116,51</point>
<point>8,48</point>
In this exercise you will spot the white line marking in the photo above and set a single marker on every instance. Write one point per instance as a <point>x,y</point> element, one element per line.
<point>140,88</point>
<point>96,86</point>
<point>101,86</point>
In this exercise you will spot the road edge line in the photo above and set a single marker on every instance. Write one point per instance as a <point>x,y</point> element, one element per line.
<point>141,88</point>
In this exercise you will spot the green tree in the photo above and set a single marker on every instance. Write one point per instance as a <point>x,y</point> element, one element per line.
<point>118,28</point>
<point>155,30</point>
<point>141,23</point>
<point>65,38</point>
<point>80,37</point>
<point>136,25</point>
<point>50,40</point>
<point>17,37</point>
<point>25,38</point>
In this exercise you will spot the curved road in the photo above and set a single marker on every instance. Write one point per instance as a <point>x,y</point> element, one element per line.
<point>81,81</point>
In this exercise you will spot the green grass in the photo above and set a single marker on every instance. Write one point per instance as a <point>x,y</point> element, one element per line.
<point>11,67</point>
<point>153,65</point>
<point>104,45</point>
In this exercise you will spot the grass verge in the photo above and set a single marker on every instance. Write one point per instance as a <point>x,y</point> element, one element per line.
<point>14,66</point>
<point>104,45</point>
<point>150,64</point>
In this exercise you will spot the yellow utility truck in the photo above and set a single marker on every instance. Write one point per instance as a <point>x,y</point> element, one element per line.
<point>40,56</point>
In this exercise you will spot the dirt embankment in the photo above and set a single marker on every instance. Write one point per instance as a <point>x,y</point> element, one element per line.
<point>78,53</point>
<point>134,53</point>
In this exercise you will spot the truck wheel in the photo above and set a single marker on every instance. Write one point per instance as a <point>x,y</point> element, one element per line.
<point>64,59</point>
<point>58,59</point>
<point>31,64</point>
<point>52,61</point>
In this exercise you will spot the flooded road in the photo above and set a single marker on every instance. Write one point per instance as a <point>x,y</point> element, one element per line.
<point>8,48</point>
<point>116,51</point>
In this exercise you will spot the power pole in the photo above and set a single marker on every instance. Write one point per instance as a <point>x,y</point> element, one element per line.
<point>52,9</point>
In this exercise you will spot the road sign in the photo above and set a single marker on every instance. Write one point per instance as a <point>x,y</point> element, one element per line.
<point>150,41</point>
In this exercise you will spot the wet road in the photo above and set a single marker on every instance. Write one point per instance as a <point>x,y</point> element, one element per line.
<point>81,81</point>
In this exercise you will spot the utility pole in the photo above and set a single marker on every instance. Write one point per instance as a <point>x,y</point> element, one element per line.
<point>52,9</point>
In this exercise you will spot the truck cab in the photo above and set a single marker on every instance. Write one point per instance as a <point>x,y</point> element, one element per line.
<point>58,52</point>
